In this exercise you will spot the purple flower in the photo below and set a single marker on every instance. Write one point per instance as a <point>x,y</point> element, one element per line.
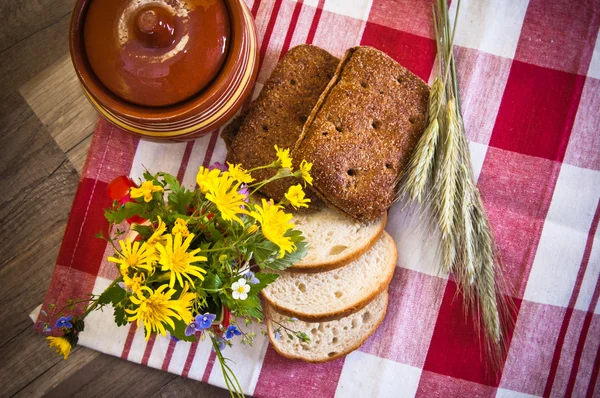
<point>244,190</point>
<point>201,322</point>
<point>253,280</point>
<point>217,165</point>
<point>47,329</point>
<point>232,330</point>
<point>64,322</point>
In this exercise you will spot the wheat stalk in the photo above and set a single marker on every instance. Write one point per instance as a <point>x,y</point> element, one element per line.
<point>440,170</point>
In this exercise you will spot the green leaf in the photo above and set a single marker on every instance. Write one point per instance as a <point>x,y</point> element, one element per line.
<point>250,307</point>
<point>120,316</point>
<point>112,295</point>
<point>212,282</point>
<point>265,279</point>
<point>179,331</point>
<point>179,197</point>
<point>117,215</point>
<point>144,230</point>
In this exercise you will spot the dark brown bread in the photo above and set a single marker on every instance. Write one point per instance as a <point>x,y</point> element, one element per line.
<point>276,117</point>
<point>362,132</point>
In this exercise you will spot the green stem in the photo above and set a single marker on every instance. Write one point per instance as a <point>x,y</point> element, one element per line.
<point>95,303</point>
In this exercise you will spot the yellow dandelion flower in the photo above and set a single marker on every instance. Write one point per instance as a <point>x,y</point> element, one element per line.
<point>238,173</point>
<point>252,229</point>
<point>181,228</point>
<point>207,179</point>
<point>305,171</point>
<point>283,155</point>
<point>174,257</point>
<point>133,256</point>
<point>62,345</point>
<point>146,190</point>
<point>157,235</point>
<point>228,200</point>
<point>275,223</point>
<point>295,195</point>
<point>157,309</point>
<point>134,284</point>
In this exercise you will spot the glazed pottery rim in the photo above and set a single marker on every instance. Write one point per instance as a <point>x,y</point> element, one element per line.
<point>162,120</point>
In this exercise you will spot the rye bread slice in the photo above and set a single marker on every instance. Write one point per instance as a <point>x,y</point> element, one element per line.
<point>333,238</point>
<point>277,116</point>
<point>330,295</point>
<point>328,340</point>
<point>362,132</point>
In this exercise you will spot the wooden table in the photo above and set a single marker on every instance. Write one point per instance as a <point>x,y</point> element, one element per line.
<point>46,126</point>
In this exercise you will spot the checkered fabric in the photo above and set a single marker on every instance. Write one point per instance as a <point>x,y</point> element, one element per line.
<point>529,74</point>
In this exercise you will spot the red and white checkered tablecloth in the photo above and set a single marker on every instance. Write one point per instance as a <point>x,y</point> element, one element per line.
<point>529,76</point>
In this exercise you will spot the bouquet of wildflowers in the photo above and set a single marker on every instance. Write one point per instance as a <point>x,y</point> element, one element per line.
<point>194,262</point>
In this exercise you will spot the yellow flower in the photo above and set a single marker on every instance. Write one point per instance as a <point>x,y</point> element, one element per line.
<point>295,195</point>
<point>158,309</point>
<point>146,190</point>
<point>133,256</point>
<point>180,228</point>
<point>239,174</point>
<point>174,257</point>
<point>62,345</point>
<point>284,157</point>
<point>207,179</point>
<point>305,171</point>
<point>134,284</point>
<point>275,223</point>
<point>157,235</point>
<point>252,229</point>
<point>228,200</point>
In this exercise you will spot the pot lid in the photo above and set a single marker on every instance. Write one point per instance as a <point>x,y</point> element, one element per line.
<point>156,52</point>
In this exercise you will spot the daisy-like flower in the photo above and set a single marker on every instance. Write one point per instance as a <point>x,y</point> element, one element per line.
<point>174,257</point>
<point>207,179</point>
<point>62,345</point>
<point>134,256</point>
<point>157,235</point>
<point>146,190</point>
<point>200,322</point>
<point>238,173</point>
<point>305,171</point>
<point>295,195</point>
<point>283,156</point>
<point>275,223</point>
<point>134,284</point>
<point>228,200</point>
<point>240,289</point>
<point>155,309</point>
<point>181,228</point>
<point>64,322</point>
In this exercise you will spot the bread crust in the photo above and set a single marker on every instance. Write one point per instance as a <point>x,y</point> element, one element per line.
<point>332,316</point>
<point>334,357</point>
<point>362,132</point>
<point>331,265</point>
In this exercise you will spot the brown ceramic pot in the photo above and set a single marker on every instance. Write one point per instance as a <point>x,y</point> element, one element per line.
<point>190,99</point>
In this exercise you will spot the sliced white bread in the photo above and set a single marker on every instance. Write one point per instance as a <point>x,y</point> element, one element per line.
<point>337,293</point>
<point>334,239</point>
<point>328,340</point>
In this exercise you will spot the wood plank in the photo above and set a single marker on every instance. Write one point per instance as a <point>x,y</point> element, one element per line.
<point>56,97</point>
<point>182,388</point>
<point>27,58</point>
<point>24,18</point>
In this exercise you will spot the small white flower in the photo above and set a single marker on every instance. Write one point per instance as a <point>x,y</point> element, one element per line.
<point>240,289</point>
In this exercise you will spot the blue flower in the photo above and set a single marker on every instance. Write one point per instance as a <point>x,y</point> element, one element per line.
<point>221,343</point>
<point>175,339</point>
<point>201,322</point>
<point>231,331</point>
<point>253,280</point>
<point>64,322</point>
<point>47,329</point>
<point>277,335</point>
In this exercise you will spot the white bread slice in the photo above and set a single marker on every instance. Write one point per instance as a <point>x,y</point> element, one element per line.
<point>334,239</point>
<point>337,293</point>
<point>328,340</point>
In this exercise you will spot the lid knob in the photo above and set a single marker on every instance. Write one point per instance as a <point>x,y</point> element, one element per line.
<point>154,27</point>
